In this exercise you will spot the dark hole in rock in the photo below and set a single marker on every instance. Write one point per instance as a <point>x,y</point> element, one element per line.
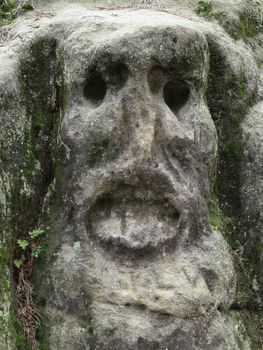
<point>210,278</point>
<point>95,88</point>
<point>118,74</point>
<point>138,306</point>
<point>174,216</point>
<point>176,95</point>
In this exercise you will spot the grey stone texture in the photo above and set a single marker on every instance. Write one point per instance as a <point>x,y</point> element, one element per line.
<point>134,137</point>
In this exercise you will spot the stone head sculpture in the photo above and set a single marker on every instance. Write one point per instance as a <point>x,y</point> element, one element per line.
<point>125,147</point>
<point>143,143</point>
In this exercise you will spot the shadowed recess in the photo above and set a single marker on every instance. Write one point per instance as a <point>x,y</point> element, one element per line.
<point>95,88</point>
<point>176,95</point>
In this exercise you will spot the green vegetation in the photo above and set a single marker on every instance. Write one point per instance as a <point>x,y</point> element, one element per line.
<point>18,263</point>
<point>251,19</point>
<point>42,336</point>
<point>233,149</point>
<point>98,152</point>
<point>10,9</point>
<point>217,219</point>
<point>229,100</point>
<point>36,233</point>
<point>246,271</point>
<point>4,261</point>
<point>205,9</point>
<point>248,24</point>
<point>39,163</point>
<point>254,325</point>
<point>5,258</point>
<point>22,243</point>
<point>17,330</point>
<point>31,246</point>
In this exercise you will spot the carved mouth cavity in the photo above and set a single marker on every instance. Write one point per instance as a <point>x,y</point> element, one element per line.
<point>133,218</point>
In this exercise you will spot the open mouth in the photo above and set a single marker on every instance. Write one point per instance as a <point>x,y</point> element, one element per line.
<point>133,218</point>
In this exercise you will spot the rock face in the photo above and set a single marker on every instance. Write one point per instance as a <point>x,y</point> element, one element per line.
<point>127,137</point>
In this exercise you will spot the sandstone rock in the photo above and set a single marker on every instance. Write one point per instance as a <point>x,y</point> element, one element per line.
<point>112,123</point>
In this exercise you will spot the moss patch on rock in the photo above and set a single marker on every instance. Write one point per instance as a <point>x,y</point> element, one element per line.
<point>28,158</point>
<point>10,9</point>
<point>205,9</point>
<point>229,101</point>
<point>246,24</point>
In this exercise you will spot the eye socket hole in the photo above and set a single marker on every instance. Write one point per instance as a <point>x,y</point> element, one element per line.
<point>117,74</point>
<point>95,88</point>
<point>176,94</point>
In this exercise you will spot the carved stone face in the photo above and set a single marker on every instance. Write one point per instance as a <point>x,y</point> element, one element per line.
<point>108,144</point>
<point>138,257</point>
<point>143,139</point>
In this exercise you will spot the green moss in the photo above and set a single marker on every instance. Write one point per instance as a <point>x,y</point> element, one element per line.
<point>248,24</point>
<point>5,259</point>
<point>219,221</point>
<point>250,20</point>
<point>4,255</point>
<point>253,323</point>
<point>10,324</point>
<point>30,159</point>
<point>59,176</point>
<point>245,294</point>
<point>98,152</point>
<point>205,9</point>
<point>233,149</point>
<point>246,270</point>
<point>36,151</point>
<point>28,7</point>
<point>10,9</point>
<point>41,337</point>
<point>41,73</point>
<point>228,100</point>
<point>4,15</point>
<point>4,262</point>
<point>215,214</point>
<point>18,332</point>
<point>8,6</point>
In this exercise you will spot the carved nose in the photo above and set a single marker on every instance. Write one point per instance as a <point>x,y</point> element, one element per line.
<point>151,106</point>
<point>140,120</point>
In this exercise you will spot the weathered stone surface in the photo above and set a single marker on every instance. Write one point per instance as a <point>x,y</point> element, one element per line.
<point>112,123</point>
<point>252,179</point>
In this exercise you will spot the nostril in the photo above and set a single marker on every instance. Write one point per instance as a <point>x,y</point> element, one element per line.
<point>95,88</point>
<point>174,216</point>
<point>117,74</point>
<point>176,95</point>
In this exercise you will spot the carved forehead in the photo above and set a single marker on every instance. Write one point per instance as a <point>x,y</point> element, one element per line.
<point>139,47</point>
<point>148,43</point>
<point>98,26</point>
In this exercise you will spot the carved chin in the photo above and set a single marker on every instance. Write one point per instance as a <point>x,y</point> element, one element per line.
<point>133,220</point>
